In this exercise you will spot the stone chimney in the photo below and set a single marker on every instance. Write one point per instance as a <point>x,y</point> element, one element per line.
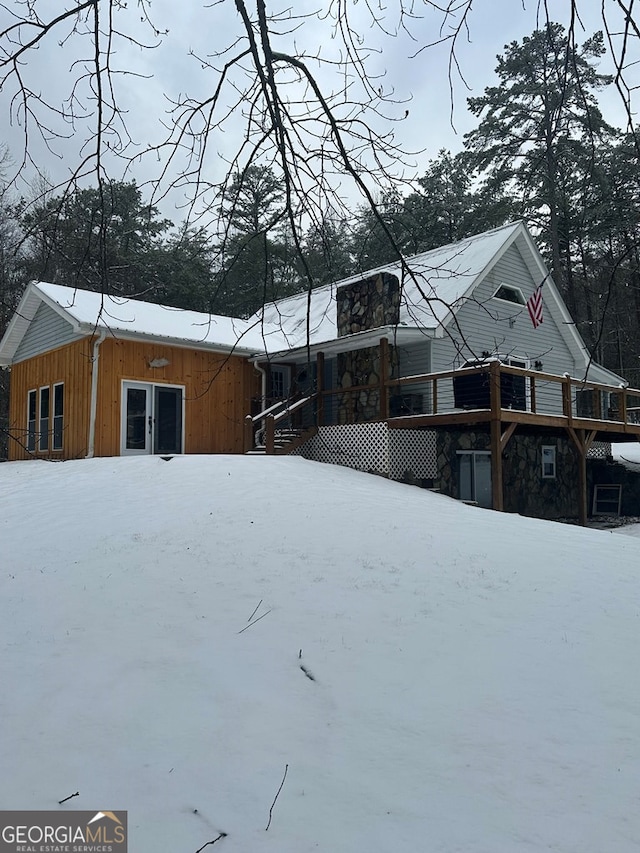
<point>368,304</point>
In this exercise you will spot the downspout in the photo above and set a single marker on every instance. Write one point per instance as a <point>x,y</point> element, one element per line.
<point>94,394</point>
<point>263,372</point>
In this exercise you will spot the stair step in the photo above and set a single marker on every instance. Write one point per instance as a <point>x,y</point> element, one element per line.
<point>283,438</point>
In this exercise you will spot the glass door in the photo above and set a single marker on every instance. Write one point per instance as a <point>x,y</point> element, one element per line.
<point>474,473</point>
<point>151,418</point>
<point>167,419</point>
<point>137,420</point>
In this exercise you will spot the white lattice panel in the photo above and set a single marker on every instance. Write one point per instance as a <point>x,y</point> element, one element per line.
<point>599,450</point>
<point>374,447</point>
<point>361,446</point>
<point>414,451</point>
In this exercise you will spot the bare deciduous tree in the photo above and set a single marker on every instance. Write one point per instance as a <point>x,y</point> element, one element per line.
<point>299,89</point>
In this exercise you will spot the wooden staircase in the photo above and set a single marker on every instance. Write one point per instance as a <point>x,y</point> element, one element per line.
<point>272,439</point>
<point>284,441</point>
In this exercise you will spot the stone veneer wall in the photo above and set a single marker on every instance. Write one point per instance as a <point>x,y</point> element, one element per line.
<point>361,367</point>
<point>363,305</point>
<point>368,304</point>
<point>525,491</point>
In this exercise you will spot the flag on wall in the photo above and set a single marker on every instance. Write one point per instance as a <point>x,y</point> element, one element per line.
<point>534,306</point>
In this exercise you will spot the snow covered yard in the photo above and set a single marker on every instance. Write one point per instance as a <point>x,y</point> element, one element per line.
<point>471,677</point>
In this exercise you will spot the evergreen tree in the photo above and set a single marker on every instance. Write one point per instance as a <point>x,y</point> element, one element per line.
<point>255,257</point>
<point>538,136</point>
<point>96,239</point>
<point>327,252</point>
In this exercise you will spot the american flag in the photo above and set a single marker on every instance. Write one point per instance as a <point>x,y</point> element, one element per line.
<point>534,306</point>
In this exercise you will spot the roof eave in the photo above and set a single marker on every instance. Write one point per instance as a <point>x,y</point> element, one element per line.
<point>347,343</point>
<point>160,340</point>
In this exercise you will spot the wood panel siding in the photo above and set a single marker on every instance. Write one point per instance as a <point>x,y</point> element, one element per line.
<point>218,391</point>
<point>70,364</point>
<point>46,331</point>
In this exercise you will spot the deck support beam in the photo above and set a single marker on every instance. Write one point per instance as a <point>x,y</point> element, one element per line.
<point>582,441</point>
<point>497,489</point>
<point>320,388</point>
<point>384,379</point>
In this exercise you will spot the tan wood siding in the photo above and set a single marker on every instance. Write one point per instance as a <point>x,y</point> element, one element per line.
<point>70,364</point>
<point>218,390</point>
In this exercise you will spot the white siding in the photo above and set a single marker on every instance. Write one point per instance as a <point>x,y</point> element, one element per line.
<point>413,360</point>
<point>46,331</point>
<point>492,325</point>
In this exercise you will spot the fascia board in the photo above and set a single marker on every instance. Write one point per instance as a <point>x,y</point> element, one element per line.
<point>348,343</point>
<point>62,312</point>
<point>117,334</point>
<point>18,325</point>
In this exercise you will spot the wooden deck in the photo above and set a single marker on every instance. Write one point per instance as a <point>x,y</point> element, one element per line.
<point>610,431</point>
<point>536,401</point>
<point>489,396</point>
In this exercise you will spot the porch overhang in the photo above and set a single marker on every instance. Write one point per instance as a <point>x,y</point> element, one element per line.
<point>396,335</point>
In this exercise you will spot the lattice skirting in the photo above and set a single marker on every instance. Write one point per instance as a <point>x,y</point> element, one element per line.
<point>599,450</point>
<point>374,447</point>
<point>412,451</point>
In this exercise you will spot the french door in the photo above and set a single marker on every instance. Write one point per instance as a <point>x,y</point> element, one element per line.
<point>152,417</point>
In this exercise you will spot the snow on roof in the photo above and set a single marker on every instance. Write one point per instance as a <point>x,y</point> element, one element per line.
<point>442,275</point>
<point>135,317</point>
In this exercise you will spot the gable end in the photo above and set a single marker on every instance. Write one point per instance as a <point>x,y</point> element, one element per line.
<point>47,331</point>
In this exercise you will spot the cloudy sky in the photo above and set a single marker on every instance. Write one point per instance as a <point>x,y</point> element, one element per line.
<point>199,32</point>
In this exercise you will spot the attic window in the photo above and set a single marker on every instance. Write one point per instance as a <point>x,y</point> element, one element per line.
<point>510,294</point>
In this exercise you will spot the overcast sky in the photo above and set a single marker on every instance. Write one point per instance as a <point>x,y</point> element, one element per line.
<point>195,27</point>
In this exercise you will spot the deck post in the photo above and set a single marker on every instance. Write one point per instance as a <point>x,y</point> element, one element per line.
<point>384,378</point>
<point>566,398</point>
<point>320,389</point>
<point>597,408</point>
<point>623,405</point>
<point>497,491</point>
<point>532,389</point>
<point>582,485</point>
<point>270,435</point>
<point>582,442</point>
<point>248,433</point>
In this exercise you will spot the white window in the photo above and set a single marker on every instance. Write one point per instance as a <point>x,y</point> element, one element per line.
<point>508,293</point>
<point>548,462</point>
<point>280,381</point>
<point>58,415</point>
<point>45,418</point>
<point>45,402</point>
<point>32,403</point>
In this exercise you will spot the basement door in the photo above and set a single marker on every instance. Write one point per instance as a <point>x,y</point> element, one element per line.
<point>152,417</point>
<point>474,472</point>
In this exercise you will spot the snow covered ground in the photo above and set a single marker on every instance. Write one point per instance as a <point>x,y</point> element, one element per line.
<point>627,454</point>
<point>472,678</point>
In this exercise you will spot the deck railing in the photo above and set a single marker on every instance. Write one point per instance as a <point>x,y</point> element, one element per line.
<point>491,387</point>
<point>268,418</point>
<point>521,389</point>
